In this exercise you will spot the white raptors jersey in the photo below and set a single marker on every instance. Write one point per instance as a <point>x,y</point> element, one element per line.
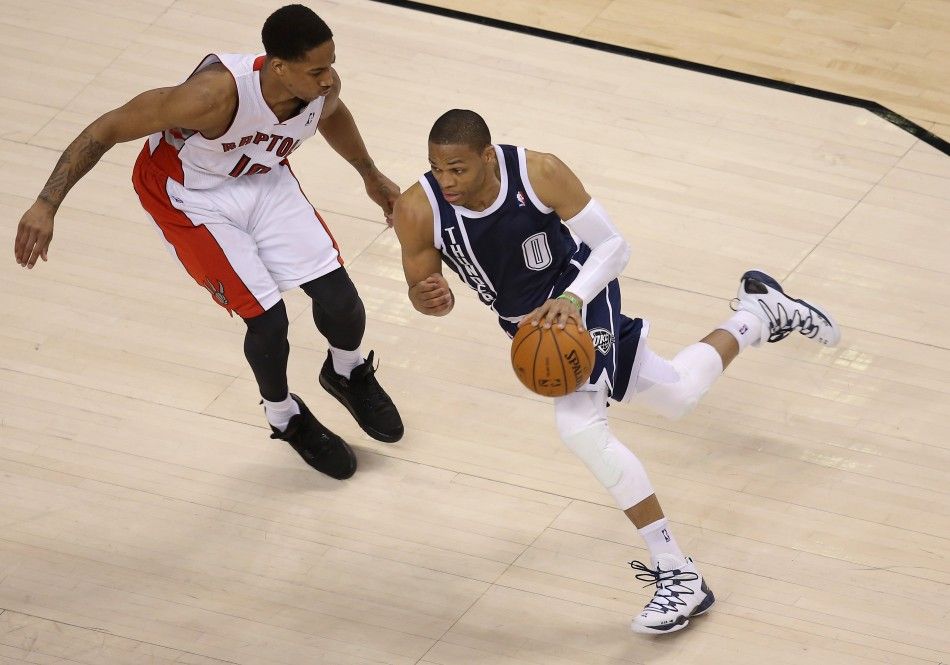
<point>255,141</point>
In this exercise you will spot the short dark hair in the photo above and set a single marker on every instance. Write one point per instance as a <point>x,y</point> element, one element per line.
<point>293,30</point>
<point>461,127</point>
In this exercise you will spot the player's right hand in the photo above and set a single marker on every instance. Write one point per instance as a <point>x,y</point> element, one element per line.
<point>432,296</point>
<point>34,234</point>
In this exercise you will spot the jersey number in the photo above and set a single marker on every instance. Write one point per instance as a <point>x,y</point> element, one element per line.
<point>242,164</point>
<point>537,253</point>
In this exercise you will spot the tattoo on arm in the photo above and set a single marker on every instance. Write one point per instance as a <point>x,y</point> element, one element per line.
<point>81,155</point>
<point>363,165</point>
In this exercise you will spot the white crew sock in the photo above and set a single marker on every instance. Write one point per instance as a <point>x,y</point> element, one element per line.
<point>746,327</point>
<point>659,540</point>
<point>279,413</point>
<point>345,362</point>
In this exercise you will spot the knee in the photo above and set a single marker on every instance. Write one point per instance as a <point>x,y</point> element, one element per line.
<point>335,295</point>
<point>698,366</point>
<point>679,403</point>
<point>272,324</point>
<point>592,447</point>
<point>694,370</point>
<point>613,465</point>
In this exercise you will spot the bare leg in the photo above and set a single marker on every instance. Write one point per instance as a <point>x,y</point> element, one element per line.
<point>646,512</point>
<point>725,344</point>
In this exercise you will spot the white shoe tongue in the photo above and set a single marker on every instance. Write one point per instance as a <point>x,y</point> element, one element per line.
<point>667,562</point>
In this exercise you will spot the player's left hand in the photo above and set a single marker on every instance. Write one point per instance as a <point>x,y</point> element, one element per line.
<point>383,191</point>
<point>555,312</point>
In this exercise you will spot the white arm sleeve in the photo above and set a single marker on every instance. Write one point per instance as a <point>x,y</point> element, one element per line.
<point>609,251</point>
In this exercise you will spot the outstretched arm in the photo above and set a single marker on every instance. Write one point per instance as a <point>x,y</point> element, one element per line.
<point>198,104</point>
<point>339,129</point>
<point>429,293</point>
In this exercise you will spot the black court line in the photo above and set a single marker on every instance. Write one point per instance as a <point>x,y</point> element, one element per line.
<point>875,108</point>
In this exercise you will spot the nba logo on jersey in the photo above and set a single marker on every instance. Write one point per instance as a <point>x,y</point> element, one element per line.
<point>520,197</point>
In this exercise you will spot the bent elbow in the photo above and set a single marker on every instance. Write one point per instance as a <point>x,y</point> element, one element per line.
<point>625,253</point>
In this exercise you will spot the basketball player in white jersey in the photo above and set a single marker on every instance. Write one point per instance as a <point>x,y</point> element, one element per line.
<point>214,177</point>
<point>519,228</point>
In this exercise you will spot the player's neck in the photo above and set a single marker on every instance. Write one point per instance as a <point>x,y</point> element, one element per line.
<point>281,102</point>
<point>489,192</point>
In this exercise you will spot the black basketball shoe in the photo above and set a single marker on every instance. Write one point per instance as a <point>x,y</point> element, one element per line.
<point>365,399</point>
<point>319,447</point>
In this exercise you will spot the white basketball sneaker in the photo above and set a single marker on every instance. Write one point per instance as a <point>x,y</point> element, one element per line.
<point>681,593</point>
<point>763,296</point>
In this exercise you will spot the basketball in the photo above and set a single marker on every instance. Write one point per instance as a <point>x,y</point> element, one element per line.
<point>552,361</point>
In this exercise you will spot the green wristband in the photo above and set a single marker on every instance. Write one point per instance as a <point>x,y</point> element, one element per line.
<point>571,298</point>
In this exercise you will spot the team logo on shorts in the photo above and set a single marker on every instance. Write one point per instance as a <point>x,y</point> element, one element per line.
<point>603,340</point>
<point>216,293</point>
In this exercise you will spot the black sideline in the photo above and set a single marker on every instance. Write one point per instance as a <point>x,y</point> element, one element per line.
<point>875,108</point>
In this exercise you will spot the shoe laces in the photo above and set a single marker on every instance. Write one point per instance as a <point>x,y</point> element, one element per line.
<point>781,324</point>
<point>363,381</point>
<point>302,433</point>
<point>669,586</point>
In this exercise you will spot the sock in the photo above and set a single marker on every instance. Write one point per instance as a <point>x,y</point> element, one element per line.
<point>345,362</point>
<point>279,413</point>
<point>659,540</point>
<point>746,327</point>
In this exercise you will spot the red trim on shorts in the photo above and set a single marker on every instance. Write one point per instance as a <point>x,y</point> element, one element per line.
<point>198,250</point>
<point>259,62</point>
<point>165,159</point>
<point>339,256</point>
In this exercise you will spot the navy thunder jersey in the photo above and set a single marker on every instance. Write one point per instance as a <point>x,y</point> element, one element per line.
<point>517,253</point>
<point>514,252</point>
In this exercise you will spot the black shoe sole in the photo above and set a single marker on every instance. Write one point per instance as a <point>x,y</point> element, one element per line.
<point>372,431</point>
<point>351,456</point>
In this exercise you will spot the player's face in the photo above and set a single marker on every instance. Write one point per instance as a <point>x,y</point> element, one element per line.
<point>311,76</point>
<point>461,171</point>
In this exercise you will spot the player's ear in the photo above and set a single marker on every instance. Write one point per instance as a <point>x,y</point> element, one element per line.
<point>488,153</point>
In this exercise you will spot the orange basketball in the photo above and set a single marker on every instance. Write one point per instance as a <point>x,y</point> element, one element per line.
<point>552,361</point>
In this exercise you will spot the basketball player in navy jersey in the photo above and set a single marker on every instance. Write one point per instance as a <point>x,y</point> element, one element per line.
<point>214,177</point>
<point>520,230</point>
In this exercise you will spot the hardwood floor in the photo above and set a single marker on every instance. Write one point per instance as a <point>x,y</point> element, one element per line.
<point>148,518</point>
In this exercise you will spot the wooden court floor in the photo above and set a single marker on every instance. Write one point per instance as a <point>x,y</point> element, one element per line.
<point>889,51</point>
<point>148,519</point>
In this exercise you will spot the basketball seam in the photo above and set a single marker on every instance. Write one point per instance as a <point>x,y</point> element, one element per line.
<point>534,362</point>
<point>590,359</point>
<point>530,385</point>
<point>526,337</point>
<point>560,358</point>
